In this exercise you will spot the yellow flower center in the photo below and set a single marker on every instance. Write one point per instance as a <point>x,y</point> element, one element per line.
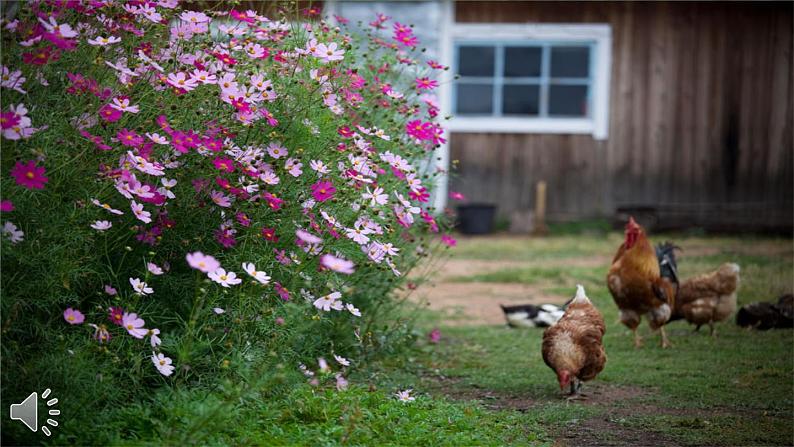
<point>30,175</point>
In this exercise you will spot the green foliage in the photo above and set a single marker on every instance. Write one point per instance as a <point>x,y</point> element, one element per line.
<point>111,391</point>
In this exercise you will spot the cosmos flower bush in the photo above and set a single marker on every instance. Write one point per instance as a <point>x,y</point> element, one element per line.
<point>181,187</point>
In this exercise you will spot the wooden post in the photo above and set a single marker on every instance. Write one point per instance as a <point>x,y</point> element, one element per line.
<point>540,228</point>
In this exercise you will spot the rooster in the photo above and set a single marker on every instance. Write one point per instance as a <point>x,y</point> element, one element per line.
<point>708,298</point>
<point>637,285</point>
<point>572,347</point>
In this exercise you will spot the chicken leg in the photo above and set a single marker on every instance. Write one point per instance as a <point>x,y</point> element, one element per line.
<point>713,330</point>
<point>637,338</point>
<point>665,342</point>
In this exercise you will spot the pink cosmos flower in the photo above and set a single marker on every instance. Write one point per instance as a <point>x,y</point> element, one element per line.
<point>276,150</point>
<point>182,81</point>
<point>338,265</point>
<point>449,240</point>
<point>202,262</point>
<point>220,199</point>
<point>454,195</point>
<point>282,291</point>
<point>142,215</point>
<point>307,237</point>
<point>329,53</point>
<point>154,268</point>
<point>29,175</point>
<point>163,364</point>
<point>341,382</point>
<point>110,290</point>
<point>6,206</point>
<point>434,336</point>
<point>73,316</point>
<point>122,104</point>
<point>323,190</point>
<point>13,234</point>
<point>134,325</point>
<point>218,310</point>
<point>425,84</point>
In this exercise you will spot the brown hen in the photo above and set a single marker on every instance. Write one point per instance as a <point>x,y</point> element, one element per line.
<point>573,347</point>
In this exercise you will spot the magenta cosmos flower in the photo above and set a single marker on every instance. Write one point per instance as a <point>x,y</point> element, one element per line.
<point>110,114</point>
<point>323,190</point>
<point>449,240</point>
<point>73,316</point>
<point>29,175</point>
<point>202,262</point>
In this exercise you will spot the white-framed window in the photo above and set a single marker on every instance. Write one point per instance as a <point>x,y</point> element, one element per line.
<point>521,78</point>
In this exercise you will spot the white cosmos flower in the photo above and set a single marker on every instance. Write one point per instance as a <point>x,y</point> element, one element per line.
<point>103,41</point>
<point>353,310</point>
<point>328,302</point>
<point>341,360</point>
<point>154,268</point>
<point>101,225</point>
<point>262,277</point>
<point>141,288</point>
<point>163,364</point>
<point>225,279</point>
<point>405,396</point>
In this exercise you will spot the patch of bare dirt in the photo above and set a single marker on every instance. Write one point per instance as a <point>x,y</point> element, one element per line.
<point>604,429</point>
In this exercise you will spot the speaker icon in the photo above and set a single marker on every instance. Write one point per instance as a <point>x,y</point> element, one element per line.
<point>27,412</point>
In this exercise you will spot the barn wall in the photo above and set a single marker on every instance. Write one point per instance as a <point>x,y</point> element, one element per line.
<point>700,115</point>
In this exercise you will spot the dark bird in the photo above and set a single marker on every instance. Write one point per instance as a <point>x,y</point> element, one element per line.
<point>530,315</point>
<point>765,315</point>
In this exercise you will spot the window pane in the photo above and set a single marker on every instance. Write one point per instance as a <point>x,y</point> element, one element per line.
<point>476,61</point>
<point>474,99</point>
<point>570,62</point>
<point>520,99</point>
<point>568,100</point>
<point>522,62</point>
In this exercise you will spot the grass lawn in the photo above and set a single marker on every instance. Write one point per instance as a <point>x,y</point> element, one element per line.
<point>735,389</point>
<point>486,384</point>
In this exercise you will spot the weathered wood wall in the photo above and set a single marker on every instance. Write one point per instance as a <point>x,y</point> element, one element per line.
<point>700,115</point>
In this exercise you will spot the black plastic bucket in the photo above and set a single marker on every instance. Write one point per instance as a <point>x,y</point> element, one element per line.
<point>476,218</point>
